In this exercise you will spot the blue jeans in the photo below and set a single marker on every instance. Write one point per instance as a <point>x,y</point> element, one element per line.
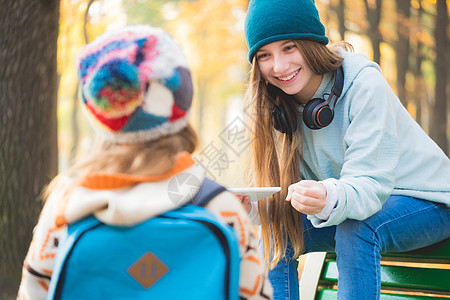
<point>403,224</point>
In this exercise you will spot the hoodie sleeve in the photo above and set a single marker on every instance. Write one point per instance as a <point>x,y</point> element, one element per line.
<point>372,152</point>
<point>253,280</point>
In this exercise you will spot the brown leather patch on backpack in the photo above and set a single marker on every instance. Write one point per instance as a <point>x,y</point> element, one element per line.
<point>148,269</point>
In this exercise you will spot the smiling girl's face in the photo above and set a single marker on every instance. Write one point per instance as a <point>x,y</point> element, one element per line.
<point>283,66</point>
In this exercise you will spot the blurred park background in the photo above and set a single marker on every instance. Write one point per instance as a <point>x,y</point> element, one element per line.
<point>42,130</point>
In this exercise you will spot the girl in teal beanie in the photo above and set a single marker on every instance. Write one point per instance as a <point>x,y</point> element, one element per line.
<point>350,159</point>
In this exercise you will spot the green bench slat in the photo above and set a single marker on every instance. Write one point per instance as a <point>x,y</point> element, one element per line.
<point>439,250</point>
<point>398,275</point>
<point>330,294</point>
<point>327,294</point>
<point>405,277</point>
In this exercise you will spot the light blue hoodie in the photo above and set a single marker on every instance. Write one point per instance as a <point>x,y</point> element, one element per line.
<point>372,149</point>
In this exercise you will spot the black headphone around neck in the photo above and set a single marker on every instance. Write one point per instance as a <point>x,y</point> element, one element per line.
<point>317,113</point>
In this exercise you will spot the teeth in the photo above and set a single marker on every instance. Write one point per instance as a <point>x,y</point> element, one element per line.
<point>288,77</point>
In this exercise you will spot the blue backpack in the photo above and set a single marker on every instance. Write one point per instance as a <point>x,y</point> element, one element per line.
<point>186,253</point>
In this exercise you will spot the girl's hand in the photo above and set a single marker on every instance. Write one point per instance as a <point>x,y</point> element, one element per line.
<point>307,196</point>
<point>245,202</point>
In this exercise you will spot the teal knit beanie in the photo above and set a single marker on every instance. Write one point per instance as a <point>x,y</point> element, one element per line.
<point>269,21</point>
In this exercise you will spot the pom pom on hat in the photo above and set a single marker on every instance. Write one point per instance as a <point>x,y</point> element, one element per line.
<point>135,84</point>
<point>269,21</point>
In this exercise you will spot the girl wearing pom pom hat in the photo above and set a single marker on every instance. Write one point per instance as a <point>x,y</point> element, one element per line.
<point>358,174</point>
<point>136,92</point>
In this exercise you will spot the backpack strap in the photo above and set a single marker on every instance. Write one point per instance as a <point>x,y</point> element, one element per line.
<point>208,190</point>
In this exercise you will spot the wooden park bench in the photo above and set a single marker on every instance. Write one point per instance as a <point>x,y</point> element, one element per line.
<point>420,274</point>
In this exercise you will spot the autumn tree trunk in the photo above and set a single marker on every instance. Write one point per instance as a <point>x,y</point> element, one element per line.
<point>373,12</point>
<point>439,118</point>
<point>339,9</point>
<point>28,125</point>
<point>402,47</point>
<point>419,83</point>
<point>341,18</point>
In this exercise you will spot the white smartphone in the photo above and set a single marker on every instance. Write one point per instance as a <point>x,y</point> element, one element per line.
<point>255,193</point>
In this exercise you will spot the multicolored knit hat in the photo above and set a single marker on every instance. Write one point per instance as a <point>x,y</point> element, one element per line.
<point>135,84</point>
<point>269,21</point>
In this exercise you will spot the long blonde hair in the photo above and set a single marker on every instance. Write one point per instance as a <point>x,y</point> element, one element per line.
<point>146,158</point>
<point>276,157</point>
